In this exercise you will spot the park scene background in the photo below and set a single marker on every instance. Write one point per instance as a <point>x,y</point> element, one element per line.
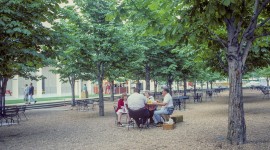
<point>189,46</point>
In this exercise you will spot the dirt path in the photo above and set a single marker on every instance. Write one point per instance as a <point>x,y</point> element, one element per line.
<point>204,127</point>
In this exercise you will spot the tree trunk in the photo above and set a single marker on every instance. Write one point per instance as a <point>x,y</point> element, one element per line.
<point>267,81</point>
<point>201,84</point>
<point>178,88</point>
<point>185,86</point>
<point>211,84</point>
<point>170,81</point>
<point>155,88</point>
<point>100,87</point>
<point>112,90</point>
<point>236,122</point>
<point>147,76</point>
<point>207,85</point>
<point>3,86</point>
<point>138,85</point>
<point>194,86</point>
<point>72,85</point>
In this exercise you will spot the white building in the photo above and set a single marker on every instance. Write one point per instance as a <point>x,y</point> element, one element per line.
<point>51,86</point>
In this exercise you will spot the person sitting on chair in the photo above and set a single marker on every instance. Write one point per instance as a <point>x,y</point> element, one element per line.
<point>121,108</point>
<point>167,106</point>
<point>151,108</point>
<point>137,109</point>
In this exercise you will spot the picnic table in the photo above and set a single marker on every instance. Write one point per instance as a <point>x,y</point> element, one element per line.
<point>180,101</point>
<point>83,104</point>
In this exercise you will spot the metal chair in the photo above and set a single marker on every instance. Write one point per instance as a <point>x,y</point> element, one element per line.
<point>116,116</point>
<point>22,110</point>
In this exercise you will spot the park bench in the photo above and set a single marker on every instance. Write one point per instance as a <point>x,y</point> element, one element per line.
<point>10,115</point>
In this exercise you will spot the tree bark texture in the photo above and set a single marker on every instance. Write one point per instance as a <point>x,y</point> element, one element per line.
<point>72,85</point>
<point>138,85</point>
<point>237,53</point>
<point>155,88</point>
<point>147,76</point>
<point>236,122</point>
<point>170,81</point>
<point>185,86</point>
<point>178,88</point>
<point>195,88</point>
<point>100,87</point>
<point>3,86</point>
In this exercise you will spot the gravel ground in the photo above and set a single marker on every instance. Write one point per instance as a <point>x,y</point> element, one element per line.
<point>204,127</point>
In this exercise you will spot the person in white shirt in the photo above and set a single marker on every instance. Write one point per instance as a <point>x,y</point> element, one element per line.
<point>167,106</point>
<point>136,108</point>
<point>26,92</point>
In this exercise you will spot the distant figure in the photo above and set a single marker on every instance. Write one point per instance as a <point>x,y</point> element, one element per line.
<point>85,90</point>
<point>26,93</point>
<point>31,93</point>
<point>108,88</point>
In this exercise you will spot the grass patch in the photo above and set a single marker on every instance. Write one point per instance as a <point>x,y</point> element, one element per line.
<point>47,99</point>
<point>16,101</point>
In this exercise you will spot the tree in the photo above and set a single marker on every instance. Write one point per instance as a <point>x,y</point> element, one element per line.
<point>25,42</point>
<point>124,54</point>
<point>242,23</point>
<point>234,24</point>
<point>72,62</point>
<point>106,37</point>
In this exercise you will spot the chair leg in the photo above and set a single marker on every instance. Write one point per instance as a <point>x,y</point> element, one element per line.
<point>24,115</point>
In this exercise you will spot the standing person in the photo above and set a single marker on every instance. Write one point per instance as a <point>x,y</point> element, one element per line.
<point>151,108</point>
<point>31,93</point>
<point>108,88</point>
<point>26,92</point>
<point>136,108</point>
<point>122,108</point>
<point>167,106</point>
<point>85,90</point>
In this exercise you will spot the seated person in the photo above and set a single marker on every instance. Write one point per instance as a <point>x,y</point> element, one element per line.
<point>167,106</point>
<point>136,108</point>
<point>121,108</point>
<point>151,108</point>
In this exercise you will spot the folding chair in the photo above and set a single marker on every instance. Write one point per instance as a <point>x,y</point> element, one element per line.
<point>116,116</point>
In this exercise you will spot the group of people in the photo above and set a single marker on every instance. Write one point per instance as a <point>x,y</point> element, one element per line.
<point>28,94</point>
<point>143,107</point>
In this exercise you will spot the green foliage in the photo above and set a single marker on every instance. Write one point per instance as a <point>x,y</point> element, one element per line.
<point>73,60</point>
<point>25,41</point>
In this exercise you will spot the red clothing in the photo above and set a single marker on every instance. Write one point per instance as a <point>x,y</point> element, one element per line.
<point>120,104</point>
